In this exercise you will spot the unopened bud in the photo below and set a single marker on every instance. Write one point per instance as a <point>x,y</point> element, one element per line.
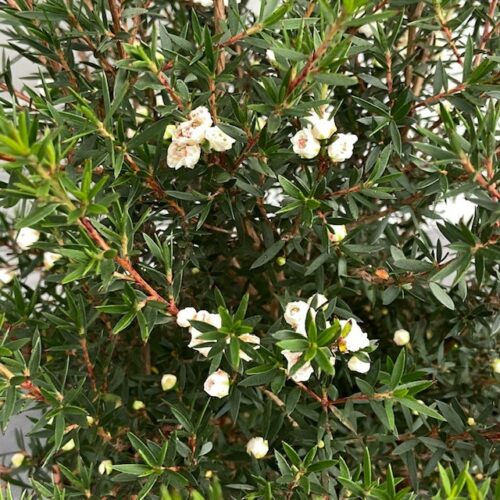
<point>138,405</point>
<point>17,460</point>
<point>168,381</point>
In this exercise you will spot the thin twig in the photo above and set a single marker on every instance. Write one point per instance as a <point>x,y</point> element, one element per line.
<point>115,15</point>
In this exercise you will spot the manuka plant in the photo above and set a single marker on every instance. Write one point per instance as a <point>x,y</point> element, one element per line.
<point>250,249</point>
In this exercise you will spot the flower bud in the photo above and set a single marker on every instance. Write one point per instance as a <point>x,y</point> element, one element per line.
<point>258,447</point>
<point>138,405</point>
<point>17,460</point>
<point>401,337</point>
<point>281,261</point>
<point>70,445</point>
<point>90,420</point>
<point>321,444</point>
<point>168,381</point>
<point>471,421</point>
<point>217,384</point>
<point>105,467</point>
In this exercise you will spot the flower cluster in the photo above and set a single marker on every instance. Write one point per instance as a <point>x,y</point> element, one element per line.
<point>351,340</point>
<point>189,136</point>
<point>306,142</point>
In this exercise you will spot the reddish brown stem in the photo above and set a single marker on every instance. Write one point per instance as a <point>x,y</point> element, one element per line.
<point>88,363</point>
<point>171,92</point>
<point>435,98</point>
<point>125,263</point>
<point>315,57</point>
<point>115,16</point>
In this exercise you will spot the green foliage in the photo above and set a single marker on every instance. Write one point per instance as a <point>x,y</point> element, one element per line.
<point>300,263</point>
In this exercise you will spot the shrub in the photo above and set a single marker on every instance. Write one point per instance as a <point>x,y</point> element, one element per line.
<point>226,270</point>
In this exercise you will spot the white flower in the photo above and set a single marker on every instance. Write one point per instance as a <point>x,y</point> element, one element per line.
<point>258,447</point>
<point>188,133</point>
<point>471,421</point>
<point>322,128</point>
<point>138,405</point>
<point>204,317</point>
<point>184,316</point>
<point>169,131</point>
<point>218,140</point>
<point>217,384</point>
<point>305,145</point>
<point>496,365</point>
<point>356,339</point>
<point>168,381</point>
<point>357,365</point>
<point>271,56</point>
<point>105,467</point>
<point>303,374</point>
<point>401,337</point>
<point>337,233</point>
<point>49,259</point>
<point>26,236</point>
<point>17,460</point>
<point>201,118</point>
<point>342,147</point>
<point>90,420</point>
<point>296,314</point>
<point>70,445</point>
<point>183,155</point>
<point>321,301</point>
<point>6,275</point>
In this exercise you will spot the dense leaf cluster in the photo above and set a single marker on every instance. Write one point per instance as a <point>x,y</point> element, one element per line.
<point>88,334</point>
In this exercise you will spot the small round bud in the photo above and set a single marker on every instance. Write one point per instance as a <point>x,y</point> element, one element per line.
<point>321,444</point>
<point>138,405</point>
<point>17,460</point>
<point>401,337</point>
<point>90,420</point>
<point>281,261</point>
<point>258,447</point>
<point>471,421</point>
<point>195,270</point>
<point>168,381</point>
<point>209,474</point>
